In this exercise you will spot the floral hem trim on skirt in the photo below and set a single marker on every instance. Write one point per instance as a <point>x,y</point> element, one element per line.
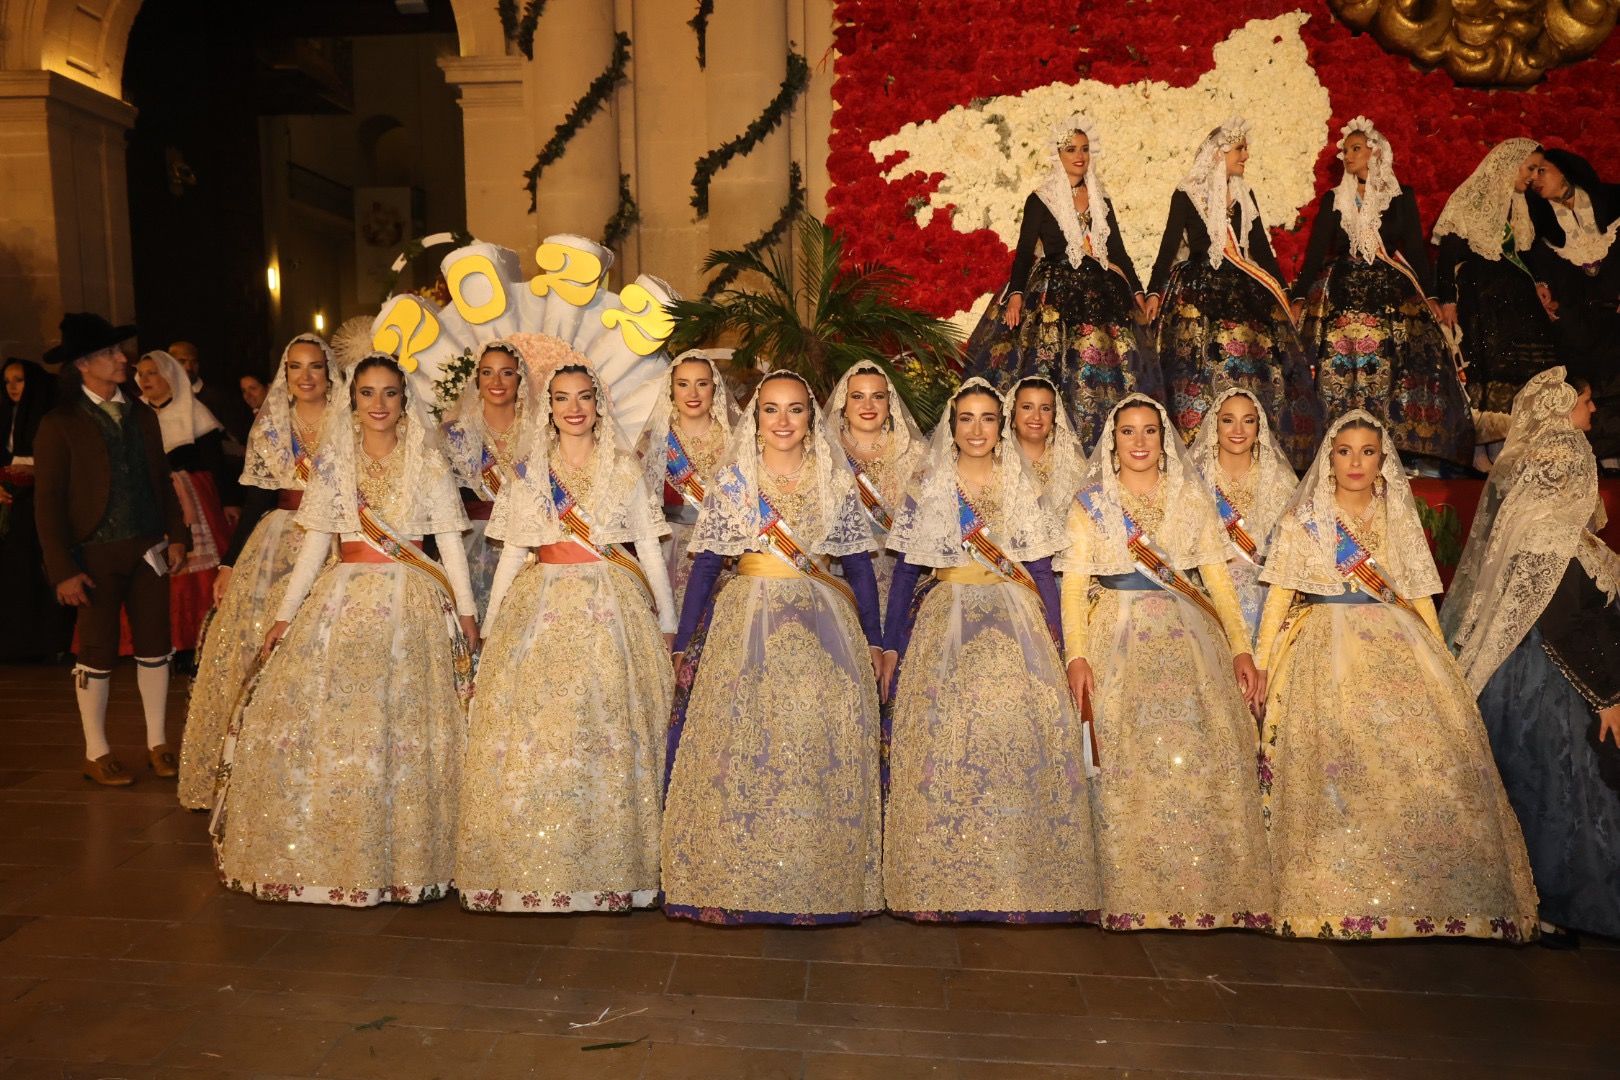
<point>1013,918</point>
<point>1187,920</point>
<point>540,903</point>
<point>1513,928</point>
<point>727,917</point>
<point>339,895</point>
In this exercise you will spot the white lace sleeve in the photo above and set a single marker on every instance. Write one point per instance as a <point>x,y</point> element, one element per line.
<point>650,554</point>
<point>506,571</point>
<point>454,558</point>
<point>311,557</point>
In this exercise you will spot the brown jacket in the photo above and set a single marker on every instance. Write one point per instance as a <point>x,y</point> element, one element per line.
<point>72,476</point>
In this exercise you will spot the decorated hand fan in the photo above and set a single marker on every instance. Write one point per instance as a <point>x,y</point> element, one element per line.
<point>622,334</point>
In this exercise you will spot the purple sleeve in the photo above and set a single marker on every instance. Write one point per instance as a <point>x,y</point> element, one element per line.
<point>706,568</point>
<point>1046,584</point>
<point>858,572</point>
<point>897,632</point>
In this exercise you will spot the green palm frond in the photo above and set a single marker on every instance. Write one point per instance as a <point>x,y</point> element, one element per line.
<point>818,317</point>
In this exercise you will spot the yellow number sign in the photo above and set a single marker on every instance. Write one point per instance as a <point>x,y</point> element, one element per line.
<point>575,274</point>
<point>468,266</point>
<point>644,324</point>
<point>408,329</point>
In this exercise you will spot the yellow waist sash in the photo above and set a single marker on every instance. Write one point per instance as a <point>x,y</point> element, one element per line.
<point>971,574</point>
<point>759,564</point>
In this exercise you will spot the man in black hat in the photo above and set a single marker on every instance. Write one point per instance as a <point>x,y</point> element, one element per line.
<point>111,529</point>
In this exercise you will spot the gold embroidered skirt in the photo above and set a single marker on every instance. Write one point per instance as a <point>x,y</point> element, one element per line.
<point>774,809</point>
<point>340,783</point>
<point>560,793</point>
<point>1386,814</point>
<point>235,635</point>
<point>1180,837</point>
<point>483,555</point>
<point>987,815</point>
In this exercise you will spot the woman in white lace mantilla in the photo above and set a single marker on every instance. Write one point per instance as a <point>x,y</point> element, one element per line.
<point>773,804</point>
<point>882,446</point>
<point>342,771</point>
<point>1251,482</point>
<point>253,574</point>
<point>1367,295</point>
<point>1533,615</point>
<point>1157,649</point>
<point>1385,815</point>
<point>987,815</point>
<point>1222,310</point>
<point>1037,425</point>
<point>483,430</point>
<point>681,448</point>
<point>561,792</point>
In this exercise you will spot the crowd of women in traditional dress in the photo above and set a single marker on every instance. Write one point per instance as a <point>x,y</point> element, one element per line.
<point>1421,335</point>
<point>881,696</point>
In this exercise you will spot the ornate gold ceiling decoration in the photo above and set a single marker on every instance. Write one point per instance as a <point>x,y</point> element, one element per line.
<point>1486,42</point>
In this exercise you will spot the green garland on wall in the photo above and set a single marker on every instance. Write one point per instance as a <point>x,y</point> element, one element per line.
<point>797,196</point>
<point>624,218</point>
<point>700,26</point>
<point>521,28</point>
<point>794,84</point>
<point>595,96</point>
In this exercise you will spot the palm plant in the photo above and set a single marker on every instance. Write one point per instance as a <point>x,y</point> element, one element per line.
<point>822,319</point>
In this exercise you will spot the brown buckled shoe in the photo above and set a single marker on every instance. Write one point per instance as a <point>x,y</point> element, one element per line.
<point>107,771</point>
<point>164,763</point>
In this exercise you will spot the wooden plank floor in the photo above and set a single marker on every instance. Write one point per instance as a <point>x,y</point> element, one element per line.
<point>121,956</point>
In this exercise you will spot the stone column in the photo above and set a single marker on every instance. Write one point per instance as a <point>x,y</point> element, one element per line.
<point>498,139</point>
<point>579,191</point>
<point>748,43</point>
<point>64,207</point>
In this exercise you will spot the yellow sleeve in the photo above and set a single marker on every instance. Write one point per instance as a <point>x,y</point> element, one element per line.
<point>1278,601</point>
<point>1223,594</point>
<point>1424,606</point>
<point>1076,584</point>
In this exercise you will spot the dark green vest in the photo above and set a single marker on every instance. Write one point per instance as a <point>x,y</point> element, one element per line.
<point>130,511</point>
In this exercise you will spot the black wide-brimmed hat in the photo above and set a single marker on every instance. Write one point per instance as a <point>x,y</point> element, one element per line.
<point>83,333</point>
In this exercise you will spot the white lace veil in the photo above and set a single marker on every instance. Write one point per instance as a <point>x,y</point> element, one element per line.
<point>1361,210</point>
<point>1540,497</point>
<point>1297,560</point>
<point>1191,534</point>
<point>1484,204</point>
<point>906,445</point>
<point>1274,479</point>
<point>656,433</point>
<point>466,434</point>
<point>928,530</point>
<point>1058,196</point>
<point>621,508</point>
<point>728,523</point>
<point>1212,191</point>
<point>430,502</point>
<point>270,463</point>
<point>1065,459</point>
<point>184,419</point>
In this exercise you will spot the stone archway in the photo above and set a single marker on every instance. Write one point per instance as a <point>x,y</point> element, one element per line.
<point>64,206</point>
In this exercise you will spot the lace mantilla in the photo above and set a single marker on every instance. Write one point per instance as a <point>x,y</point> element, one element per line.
<point>1058,195</point>
<point>705,451</point>
<point>270,463</point>
<point>1190,533</point>
<point>1213,192</point>
<point>728,523</point>
<point>1361,208</point>
<point>1301,555</point>
<point>1485,203</point>
<point>1063,462</point>
<point>928,529</point>
<point>1539,505</point>
<point>467,434</point>
<point>1264,491</point>
<point>902,448</point>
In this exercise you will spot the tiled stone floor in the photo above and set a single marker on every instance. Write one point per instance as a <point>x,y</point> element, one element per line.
<point>121,956</point>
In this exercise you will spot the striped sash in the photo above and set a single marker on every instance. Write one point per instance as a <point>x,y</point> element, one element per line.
<point>679,472</point>
<point>870,499</point>
<point>1153,563</point>
<point>1235,255</point>
<point>780,541</point>
<point>984,551</point>
<point>1235,530</point>
<point>577,524</point>
<point>1356,563</point>
<point>489,470</point>
<point>382,537</point>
